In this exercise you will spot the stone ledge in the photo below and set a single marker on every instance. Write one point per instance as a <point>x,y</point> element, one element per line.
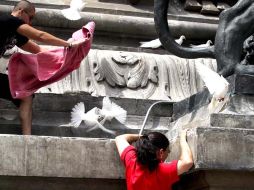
<point>41,156</point>
<point>217,148</point>
<point>59,157</point>
<point>232,120</point>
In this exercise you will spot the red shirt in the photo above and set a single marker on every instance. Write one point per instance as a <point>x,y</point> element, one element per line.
<point>139,177</point>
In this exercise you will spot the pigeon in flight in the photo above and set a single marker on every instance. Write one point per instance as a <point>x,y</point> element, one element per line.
<point>217,85</point>
<point>73,13</point>
<point>90,118</point>
<point>111,110</point>
<point>157,43</point>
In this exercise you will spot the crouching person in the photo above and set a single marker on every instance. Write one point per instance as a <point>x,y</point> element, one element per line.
<point>144,163</point>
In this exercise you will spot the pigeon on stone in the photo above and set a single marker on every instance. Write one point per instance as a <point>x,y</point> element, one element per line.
<point>217,85</point>
<point>91,119</point>
<point>180,40</point>
<point>207,44</point>
<point>73,13</point>
<point>157,43</point>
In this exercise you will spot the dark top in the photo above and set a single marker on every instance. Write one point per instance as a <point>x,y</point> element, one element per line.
<point>8,33</point>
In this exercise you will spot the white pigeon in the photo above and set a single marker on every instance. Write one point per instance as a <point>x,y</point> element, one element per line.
<point>207,44</point>
<point>91,118</point>
<point>112,110</point>
<point>180,40</point>
<point>157,43</point>
<point>73,13</point>
<point>217,85</point>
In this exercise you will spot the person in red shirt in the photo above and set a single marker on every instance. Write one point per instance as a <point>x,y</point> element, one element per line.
<point>144,163</point>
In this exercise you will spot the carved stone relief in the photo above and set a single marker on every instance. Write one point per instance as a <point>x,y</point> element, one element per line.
<point>133,75</point>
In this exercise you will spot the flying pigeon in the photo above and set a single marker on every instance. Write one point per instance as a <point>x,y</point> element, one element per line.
<point>217,85</point>
<point>111,110</point>
<point>91,118</point>
<point>73,13</point>
<point>207,44</point>
<point>157,43</point>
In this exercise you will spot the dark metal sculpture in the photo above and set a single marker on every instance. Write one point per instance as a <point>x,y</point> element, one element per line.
<point>248,51</point>
<point>235,26</point>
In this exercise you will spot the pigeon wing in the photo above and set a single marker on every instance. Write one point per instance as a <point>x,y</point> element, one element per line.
<point>77,5</point>
<point>78,114</point>
<point>71,14</point>
<point>113,110</point>
<point>98,125</point>
<point>210,78</point>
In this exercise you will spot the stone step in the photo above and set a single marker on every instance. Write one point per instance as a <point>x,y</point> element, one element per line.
<point>232,120</point>
<point>58,124</point>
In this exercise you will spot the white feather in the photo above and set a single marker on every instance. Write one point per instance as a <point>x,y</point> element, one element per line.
<point>112,110</point>
<point>157,43</point>
<point>73,13</point>
<point>207,44</point>
<point>99,125</point>
<point>78,114</point>
<point>217,85</point>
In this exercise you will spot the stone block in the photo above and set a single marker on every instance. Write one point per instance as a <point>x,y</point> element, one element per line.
<point>218,148</point>
<point>42,156</point>
<point>232,120</point>
<point>242,84</point>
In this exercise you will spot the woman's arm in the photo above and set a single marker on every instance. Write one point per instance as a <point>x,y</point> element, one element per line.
<point>186,160</point>
<point>123,141</point>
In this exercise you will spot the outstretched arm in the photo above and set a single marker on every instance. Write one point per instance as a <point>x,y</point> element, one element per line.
<point>186,160</point>
<point>123,141</point>
<point>45,37</point>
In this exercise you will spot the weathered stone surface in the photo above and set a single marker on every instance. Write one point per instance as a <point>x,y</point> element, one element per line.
<point>59,157</point>
<point>243,84</point>
<point>192,5</point>
<point>139,76</point>
<point>209,8</point>
<point>213,148</point>
<point>232,120</point>
<point>220,148</point>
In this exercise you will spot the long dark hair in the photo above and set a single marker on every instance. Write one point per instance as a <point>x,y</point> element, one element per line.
<point>147,147</point>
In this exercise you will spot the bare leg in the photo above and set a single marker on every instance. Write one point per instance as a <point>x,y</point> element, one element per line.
<point>26,115</point>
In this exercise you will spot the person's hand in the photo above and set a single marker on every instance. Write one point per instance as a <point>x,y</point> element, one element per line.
<point>183,134</point>
<point>76,43</point>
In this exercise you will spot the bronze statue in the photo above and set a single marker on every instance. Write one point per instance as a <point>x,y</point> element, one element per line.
<point>235,26</point>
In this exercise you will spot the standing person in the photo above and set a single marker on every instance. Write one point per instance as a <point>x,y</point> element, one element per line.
<point>16,29</point>
<point>144,163</point>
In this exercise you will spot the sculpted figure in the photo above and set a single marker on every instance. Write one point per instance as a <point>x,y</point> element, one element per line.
<point>235,26</point>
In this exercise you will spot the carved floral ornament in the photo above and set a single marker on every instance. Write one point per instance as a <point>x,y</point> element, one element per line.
<point>125,69</point>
